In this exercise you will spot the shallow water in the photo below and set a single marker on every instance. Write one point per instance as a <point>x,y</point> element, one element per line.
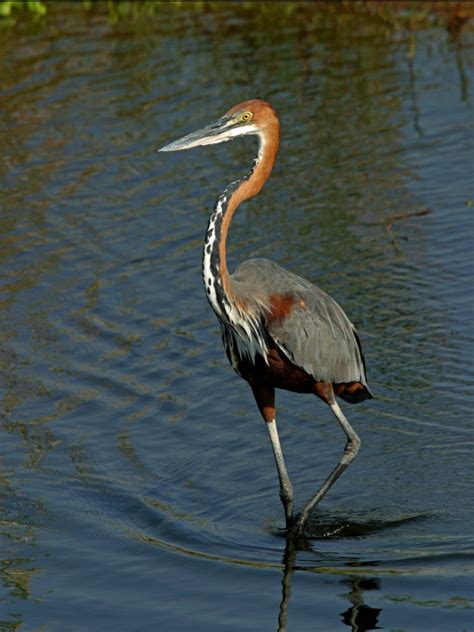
<point>138,489</point>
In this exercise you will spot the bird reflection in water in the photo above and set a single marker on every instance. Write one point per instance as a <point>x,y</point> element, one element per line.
<point>359,617</point>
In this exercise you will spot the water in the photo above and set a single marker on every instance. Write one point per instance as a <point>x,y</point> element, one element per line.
<point>138,485</point>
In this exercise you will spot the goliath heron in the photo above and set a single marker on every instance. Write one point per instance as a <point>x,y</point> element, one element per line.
<point>278,330</point>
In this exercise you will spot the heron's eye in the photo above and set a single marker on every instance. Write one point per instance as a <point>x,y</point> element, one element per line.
<point>246,116</point>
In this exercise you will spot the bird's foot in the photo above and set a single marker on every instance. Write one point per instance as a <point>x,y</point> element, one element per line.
<point>296,526</point>
<point>286,497</point>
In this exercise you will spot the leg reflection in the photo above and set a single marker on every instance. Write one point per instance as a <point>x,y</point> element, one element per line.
<point>294,543</point>
<point>289,559</point>
<point>359,616</point>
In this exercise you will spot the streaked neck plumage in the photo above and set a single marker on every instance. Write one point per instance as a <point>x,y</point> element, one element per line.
<point>215,274</point>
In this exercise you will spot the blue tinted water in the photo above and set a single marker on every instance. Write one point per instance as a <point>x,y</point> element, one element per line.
<point>138,487</point>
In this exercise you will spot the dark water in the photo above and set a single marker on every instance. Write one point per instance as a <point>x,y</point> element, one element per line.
<point>138,489</point>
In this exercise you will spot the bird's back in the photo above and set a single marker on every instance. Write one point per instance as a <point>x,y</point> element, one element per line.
<point>306,324</point>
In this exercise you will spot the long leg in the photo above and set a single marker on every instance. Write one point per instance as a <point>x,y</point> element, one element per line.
<point>349,454</point>
<point>265,398</point>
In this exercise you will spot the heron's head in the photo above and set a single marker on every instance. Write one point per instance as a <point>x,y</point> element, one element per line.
<point>253,117</point>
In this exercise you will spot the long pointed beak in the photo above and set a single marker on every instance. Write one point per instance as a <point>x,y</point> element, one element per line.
<point>217,132</point>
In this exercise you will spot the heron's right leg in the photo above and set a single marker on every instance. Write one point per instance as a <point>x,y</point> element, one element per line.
<point>265,398</point>
<point>350,452</point>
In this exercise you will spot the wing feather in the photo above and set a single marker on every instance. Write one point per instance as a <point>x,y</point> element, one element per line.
<point>316,334</point>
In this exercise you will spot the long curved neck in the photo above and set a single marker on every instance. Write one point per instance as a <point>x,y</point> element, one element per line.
<point>215,273</point>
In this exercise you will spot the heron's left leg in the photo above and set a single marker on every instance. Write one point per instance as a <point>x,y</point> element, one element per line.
<point>265,398</point>
<point>349,454</point>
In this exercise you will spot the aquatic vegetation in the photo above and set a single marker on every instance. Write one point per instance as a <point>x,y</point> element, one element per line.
<point>395,15</point>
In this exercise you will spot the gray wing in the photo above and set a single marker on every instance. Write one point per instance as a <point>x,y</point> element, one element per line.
<point>316,335</point>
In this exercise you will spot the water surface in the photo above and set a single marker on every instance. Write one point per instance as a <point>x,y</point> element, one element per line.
<point>138,486</point>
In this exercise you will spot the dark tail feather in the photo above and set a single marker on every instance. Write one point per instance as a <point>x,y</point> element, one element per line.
<point>354,393</point>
